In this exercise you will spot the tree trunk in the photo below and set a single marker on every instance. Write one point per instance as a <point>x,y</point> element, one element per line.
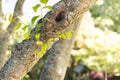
<point>59,56</point>
<point>27,53</point>
<point>5,36</point>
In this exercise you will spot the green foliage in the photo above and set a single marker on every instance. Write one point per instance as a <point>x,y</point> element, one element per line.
<point>10,18</point>
<point>46,45</point>
<point>27,77</point>
<point>17,26</point>
<point>25,27</point>
<point>64,35</point>
<point>98,50</point>
<point>34,19</point>
<point>27,35</point>
<point>37,36</point>
<point>48,7</point>
<point>107,14</point>
<point>39,43</point>
<point>36,7</point>
<point>44,1</point>
<point>68,34</point>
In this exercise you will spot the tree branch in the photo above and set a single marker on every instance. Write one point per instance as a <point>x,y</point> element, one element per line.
<point>25,54</point>
<point>4,38</point>
<point>16,15</point>
<point>59,56</point>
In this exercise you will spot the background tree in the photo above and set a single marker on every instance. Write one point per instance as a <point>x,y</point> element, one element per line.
<point>5,34</point>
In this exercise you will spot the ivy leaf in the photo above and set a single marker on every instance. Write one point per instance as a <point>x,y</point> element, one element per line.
<point>34,19</point>
<point>36,7</point>
<point>17,26</point>
<point>48,7</point>
<point>44,1</point>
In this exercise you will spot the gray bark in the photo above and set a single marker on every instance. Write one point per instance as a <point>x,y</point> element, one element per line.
<point>5,36</point>
<point>59,56</point>
<point>25,54</point>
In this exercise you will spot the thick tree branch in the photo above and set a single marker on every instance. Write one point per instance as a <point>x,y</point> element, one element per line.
<point>59,56</point>
<point>25,54</point>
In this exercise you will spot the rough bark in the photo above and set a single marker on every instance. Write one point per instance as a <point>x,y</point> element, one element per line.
<point>5,36</point>
<point>25,54</point>
<point>59,56</point>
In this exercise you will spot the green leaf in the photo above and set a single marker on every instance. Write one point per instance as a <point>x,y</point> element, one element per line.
<point>17,26</point>
<point>27,35</point>
<point>36,7</point>
<point>68,34</point>
<point>34,19</point>
<point>62,36</point>
<point>25,27</point>
<point>10,18</point>
<point>13,19</point>
<point>44,1</point>
<point>39,43</point>
<point>48,7</point>
<point>51,39</point>
<point>44,48</point>
<point>37,36</point>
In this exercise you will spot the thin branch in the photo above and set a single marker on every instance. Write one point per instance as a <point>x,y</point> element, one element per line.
<point>18,13</point>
